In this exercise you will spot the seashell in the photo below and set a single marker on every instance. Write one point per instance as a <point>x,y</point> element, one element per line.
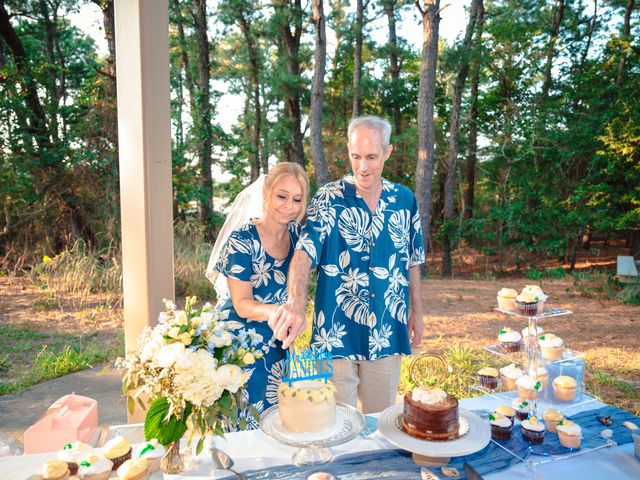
<point>605,420</point>
<point>630,425</point>
<point>606,433</point>
<point>450,471</point>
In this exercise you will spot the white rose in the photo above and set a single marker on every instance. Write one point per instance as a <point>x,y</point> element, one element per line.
<point>169,354</point>
<point>181,318</point>
<point>186,338</point>
<point>173,332</point>
<point>196,321</point>
<point>220,338</point>
<point>230,377</point>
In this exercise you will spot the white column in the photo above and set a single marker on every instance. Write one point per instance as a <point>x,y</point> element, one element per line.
<point>144,135</point>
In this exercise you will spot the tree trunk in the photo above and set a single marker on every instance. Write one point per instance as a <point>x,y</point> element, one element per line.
<point>430,14</point>
<point>592,26</point>
<point>317,93</point>
<point>551,47</point>
<point>203,119</point>
<point>394,71</point>
<point>454,130</point>
<point>293,17</point>
<point>626,37</point>
<point>357,61</point>
<point>254,72</point>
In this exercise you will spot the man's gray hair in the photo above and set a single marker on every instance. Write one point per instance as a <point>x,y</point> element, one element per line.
<point>374,123</point>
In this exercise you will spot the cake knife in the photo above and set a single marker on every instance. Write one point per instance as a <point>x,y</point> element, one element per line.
<point>471,472</point>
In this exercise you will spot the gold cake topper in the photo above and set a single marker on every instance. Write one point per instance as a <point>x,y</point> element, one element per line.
<point>428,369</point>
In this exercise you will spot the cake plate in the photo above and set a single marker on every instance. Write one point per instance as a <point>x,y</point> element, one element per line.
<point>313,447</point>
<point>475,435</point>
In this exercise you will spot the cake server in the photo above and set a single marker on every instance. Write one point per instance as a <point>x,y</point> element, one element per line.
<point>471,472</point>
<point>223,461</point>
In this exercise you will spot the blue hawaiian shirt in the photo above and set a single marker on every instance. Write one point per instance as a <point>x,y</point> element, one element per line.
<point>362,296</point>
<point>244,258</point>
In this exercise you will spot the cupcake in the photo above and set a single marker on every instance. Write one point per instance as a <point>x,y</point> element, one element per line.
<point>537,291</point>
<point>507,411</point>
<point>488,377</point>
<point>118,450</point>
<point>521,407</point>
<point>527,304</point>
<point>509,375</point>
<point>542,375</point>
<point>53,470</point>
<point>134,469</point>
<point>500,426</point>
<point>95,467</point>
<point>569,434</point>
<point>153,452</point>
<point>552,416</point>
<point>551,346</point>
<point>73,453</point>
<point>528,337</point>
<point>528,388</point>
<point>510,340</point>
<point>565,388</point>
<point>533,430</point>
<point>507,299</point>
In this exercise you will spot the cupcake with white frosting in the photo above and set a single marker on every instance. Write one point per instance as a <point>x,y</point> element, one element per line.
<point>118,450</point>
<point>565,388</point>
<point>509,375</point>
<point>53,470</point>
<point>510,340</point>
<point>569,434</point>
<point>522,408</point>
<point>552,417</point>
<point>528,387</point>
<point>73,453</point>
<point>533,430</point>
<point>542,375</point>
<point>95,467</point>
<point>501,426</point>
<point>134,469</point>
<point>551,346</point>
<point>529,337</point>
<point>527,304</point>
<point>153,452</point>
<point>540,295</point>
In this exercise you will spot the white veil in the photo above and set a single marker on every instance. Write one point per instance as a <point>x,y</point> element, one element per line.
<point>247,205</point>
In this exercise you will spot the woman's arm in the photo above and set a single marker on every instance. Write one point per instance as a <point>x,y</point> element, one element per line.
<point>242,297</point>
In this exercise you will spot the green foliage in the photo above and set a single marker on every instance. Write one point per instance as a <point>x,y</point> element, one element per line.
<point>159,424</point>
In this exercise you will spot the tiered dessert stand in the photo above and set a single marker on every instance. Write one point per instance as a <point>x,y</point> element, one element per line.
<point>531,359</point>
<point>313,447</point>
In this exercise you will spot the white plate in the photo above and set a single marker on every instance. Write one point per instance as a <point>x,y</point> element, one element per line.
<point>476,439</point>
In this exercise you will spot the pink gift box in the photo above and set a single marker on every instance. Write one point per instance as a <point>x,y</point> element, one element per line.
<point>70,418</point>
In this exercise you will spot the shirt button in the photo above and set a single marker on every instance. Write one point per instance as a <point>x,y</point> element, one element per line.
<point>373,244</point>
<point>373,295</point>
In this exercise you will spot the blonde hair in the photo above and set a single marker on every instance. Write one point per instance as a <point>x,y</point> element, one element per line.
<point>288,169</point>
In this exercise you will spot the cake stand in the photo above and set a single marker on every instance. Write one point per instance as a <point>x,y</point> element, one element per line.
<point>475,434</point>
<point>313,447</point>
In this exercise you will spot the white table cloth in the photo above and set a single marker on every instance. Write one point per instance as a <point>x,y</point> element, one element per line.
<point>254,450</point>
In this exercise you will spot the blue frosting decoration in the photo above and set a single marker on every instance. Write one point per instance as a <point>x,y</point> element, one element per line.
<point>308,364</point>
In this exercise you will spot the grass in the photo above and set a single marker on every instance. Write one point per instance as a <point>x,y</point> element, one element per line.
<point>33,356</point>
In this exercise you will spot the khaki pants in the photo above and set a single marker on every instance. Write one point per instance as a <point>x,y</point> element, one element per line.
<point>369,385</point>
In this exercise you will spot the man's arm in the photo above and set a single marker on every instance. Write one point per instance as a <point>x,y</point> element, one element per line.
<point>416,322</point>
<point>289,320</point>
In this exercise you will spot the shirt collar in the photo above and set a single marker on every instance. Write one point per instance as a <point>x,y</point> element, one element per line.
<point>350,187</point>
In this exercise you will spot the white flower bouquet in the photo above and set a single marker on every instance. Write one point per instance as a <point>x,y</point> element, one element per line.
<point>191,367</point>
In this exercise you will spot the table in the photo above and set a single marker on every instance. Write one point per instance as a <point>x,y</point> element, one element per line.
<point>253,450</point>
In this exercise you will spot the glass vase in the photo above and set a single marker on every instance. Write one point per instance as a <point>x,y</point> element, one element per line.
<point>172,461</point>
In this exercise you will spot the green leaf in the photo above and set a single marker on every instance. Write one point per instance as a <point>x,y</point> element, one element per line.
<point>131,404</point>
<point>165,430</point>
<point>200,446</point>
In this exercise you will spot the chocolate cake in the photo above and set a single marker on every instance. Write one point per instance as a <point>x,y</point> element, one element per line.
<point>431,415</point>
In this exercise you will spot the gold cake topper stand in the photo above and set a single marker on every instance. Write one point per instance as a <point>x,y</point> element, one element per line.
<point>429,369</point>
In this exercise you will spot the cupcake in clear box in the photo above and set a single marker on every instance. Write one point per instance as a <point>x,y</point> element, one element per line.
<point>507,299</point>
<point>551,346</point>
<point>527,304</point>
<point>569,434</point>
<point>541,296</point>
<point>509,375</point>
<point>533,430</point>
<point>510,340</point>
<point>565,388</point>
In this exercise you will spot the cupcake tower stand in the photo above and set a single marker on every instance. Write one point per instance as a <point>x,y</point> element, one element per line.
<point>531,359</point>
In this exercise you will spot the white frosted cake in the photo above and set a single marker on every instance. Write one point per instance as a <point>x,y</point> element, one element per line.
<point>307,405</point>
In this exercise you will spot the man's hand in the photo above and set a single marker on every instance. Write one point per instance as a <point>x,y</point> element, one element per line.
<point>287,323</point>
<point>416,328</point>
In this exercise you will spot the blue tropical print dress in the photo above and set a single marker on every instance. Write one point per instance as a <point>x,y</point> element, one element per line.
<point>363,260</point>
<point>244,258</point>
